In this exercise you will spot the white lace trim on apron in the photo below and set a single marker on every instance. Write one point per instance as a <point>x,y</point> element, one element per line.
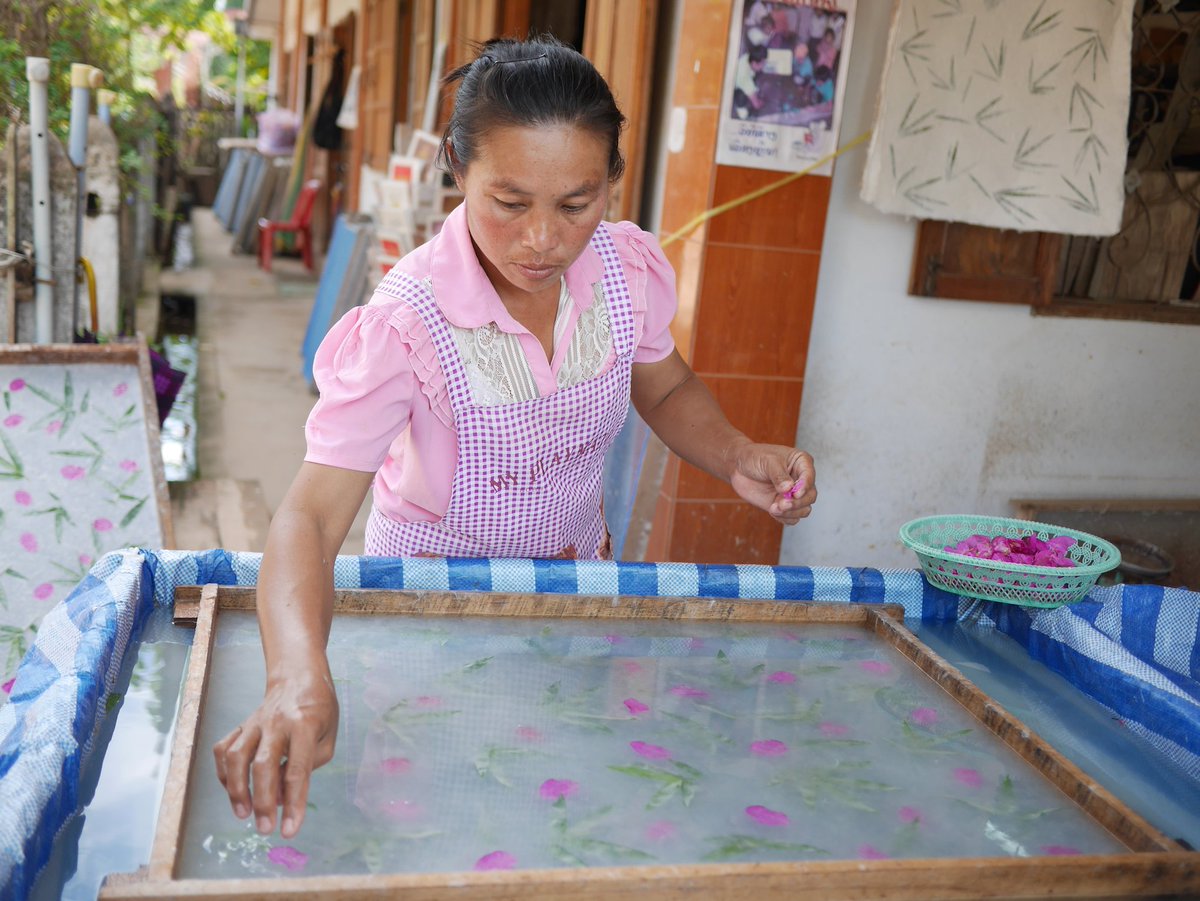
<point>496,365</point>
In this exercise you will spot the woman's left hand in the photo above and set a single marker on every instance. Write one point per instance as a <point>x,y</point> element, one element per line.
<point>780,480</point>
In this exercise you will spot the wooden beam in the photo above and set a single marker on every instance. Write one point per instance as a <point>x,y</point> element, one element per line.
<point>165,850</point>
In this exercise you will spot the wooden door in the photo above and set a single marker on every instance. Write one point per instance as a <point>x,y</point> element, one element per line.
<point>379,100</point>
<point>618,37</point>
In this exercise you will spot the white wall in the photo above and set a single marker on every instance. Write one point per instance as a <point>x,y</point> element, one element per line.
<point>915,406</point>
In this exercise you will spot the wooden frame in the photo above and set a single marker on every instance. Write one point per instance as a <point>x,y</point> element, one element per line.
<point>979,266</point>
<point>120,353</point>
<point>1158,867</point>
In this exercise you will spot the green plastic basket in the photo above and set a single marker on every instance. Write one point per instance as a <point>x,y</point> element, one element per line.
<point>1010,583</point>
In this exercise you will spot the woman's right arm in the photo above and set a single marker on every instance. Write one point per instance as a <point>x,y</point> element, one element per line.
<point>268,760</point>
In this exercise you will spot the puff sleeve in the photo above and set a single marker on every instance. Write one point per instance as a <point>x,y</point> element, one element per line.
<point>651,282</point>
<point>364,373</point>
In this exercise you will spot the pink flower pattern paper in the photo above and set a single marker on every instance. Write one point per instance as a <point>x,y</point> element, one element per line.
<point>77,483</point>
<point>498,751</point>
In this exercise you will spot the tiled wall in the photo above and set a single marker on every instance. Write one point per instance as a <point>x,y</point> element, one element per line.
<point>747,283</point>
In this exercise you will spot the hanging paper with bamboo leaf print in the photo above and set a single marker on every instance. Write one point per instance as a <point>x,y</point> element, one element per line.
<point>80,475</point>
<point>1008,115</point>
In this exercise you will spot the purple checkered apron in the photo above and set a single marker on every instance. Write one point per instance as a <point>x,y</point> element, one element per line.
<point>528,482</point>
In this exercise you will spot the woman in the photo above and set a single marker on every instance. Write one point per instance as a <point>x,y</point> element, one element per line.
<point>484,382</point>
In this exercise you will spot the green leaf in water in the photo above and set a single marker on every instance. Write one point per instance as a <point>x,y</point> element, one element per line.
<point>708,708</point>
<point>488,763</point>
<point>1007,807</point>
<point>834,784</point>
<point>697,735</point>
<point>730,846</point>
<point>577,709</point>
<point>810,714</point>
<point>576,843</point>
<point>925,742</point>
<point>682,782</point>
<point>832,742</point>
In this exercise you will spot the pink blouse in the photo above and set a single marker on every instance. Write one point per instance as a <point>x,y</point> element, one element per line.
<point>383,406</point>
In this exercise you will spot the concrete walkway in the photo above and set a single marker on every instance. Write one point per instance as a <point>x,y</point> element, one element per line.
<point>252,400</point>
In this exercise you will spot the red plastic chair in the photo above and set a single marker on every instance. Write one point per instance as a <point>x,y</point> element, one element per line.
<point>300,224</point>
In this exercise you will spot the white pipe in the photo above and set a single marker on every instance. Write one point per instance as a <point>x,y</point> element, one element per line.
<point>81,107</point>
<point>104,102</point>
<point>239,102</point>
<point>37,70</point>
<point>10,274</point>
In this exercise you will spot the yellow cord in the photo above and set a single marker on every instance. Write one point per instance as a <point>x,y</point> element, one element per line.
<point>90,274</point>
<point>765,189</point>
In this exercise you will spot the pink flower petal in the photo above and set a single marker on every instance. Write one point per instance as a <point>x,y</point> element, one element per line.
<point>102,525</point>
<point>288,858</point>
<point>783,677</point>
<point>766,816</point>
<point>768,748</point>
<point>968,777</point>
<point>23,498</point>
<point>614,639</point>
<point>14,420</point>
<point>687,691</point>
<point>16,384</point>
<point>528,733</point>
<point>29,542</point>
<point>632,667</point>
<point>85,560</point>
<point>924,716</point>
<point>54,427</point>
<point>909,815</point>
<point>129,465</point>
<point>43,591</point>
<point>870,852</point>
<point>395,766</point>
<point>654,752</point>
<point>1060,850</point>
<point>428,702</point>
<point>636,707</point>
<point>7,686</point>
<point>72,472</point>
<point>497,860</point>
<point>661,830</point>
<point>120,389</point>
<point>695,644</point>
<point>878,667</point>
<point>558,788</point>
<point>833,730</point>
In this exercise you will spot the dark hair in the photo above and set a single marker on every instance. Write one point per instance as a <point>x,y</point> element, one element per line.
<point>540,81</point>
<point>823,73</point>
<point>758,54</point>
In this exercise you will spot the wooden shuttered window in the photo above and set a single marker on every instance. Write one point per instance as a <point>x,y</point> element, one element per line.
<point>1150,270</point>
<point>957,261</point>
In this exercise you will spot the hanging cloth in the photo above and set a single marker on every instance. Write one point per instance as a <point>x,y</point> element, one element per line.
<point>326,131</point>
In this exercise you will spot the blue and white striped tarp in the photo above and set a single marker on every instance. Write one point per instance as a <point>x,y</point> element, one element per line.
<point>1134,649</point>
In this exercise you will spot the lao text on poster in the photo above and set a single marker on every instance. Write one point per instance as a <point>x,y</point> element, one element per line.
<point>785,78</point>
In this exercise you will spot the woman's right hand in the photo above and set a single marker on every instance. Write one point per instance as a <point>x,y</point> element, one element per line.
<point>268,760</point>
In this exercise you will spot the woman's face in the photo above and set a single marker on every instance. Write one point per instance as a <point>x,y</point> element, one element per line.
<point>534,197</point>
